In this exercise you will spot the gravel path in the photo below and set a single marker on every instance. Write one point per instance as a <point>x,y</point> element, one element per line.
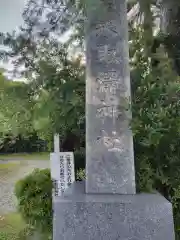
<point>7,182</point>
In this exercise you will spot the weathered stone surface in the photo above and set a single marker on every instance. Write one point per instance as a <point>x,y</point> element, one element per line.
<point>80,216</point>
<point>109,144</point>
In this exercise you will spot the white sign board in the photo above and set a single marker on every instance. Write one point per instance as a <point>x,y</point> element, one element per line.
<point>62,171</point>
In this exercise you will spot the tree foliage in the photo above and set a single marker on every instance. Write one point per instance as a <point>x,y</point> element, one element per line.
<point>56,85</point>
<point>16,104</point>
<point>59,85</point>
<point>156,124</point>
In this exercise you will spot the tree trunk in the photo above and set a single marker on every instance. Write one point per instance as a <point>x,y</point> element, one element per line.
<point>170,17</point>
<point>170,27</point>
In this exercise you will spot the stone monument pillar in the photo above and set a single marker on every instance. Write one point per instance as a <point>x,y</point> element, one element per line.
<point>106,206</point>
<point>109,143</point>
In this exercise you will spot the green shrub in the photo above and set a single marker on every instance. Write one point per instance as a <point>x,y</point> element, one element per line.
<point>29,233</point>
<point>34,195</point>
<point>26,233</point>
<point>80,175</point>
<point>79,158</point>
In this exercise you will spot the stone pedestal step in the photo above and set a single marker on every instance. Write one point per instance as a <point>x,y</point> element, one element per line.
<point>81,216</point>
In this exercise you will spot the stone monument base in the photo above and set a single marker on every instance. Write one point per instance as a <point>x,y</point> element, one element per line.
<point>81,216</point>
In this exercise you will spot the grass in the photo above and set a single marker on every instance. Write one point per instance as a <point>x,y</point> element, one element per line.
<point>25,156</point>
<point>11,165</point>
<point>6,168</point>
<point>10,225</point>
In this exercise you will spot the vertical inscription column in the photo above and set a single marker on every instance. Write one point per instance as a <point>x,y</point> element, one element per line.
<point>63,174</point>
<point>70,168</point>
<point>109,143</point>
